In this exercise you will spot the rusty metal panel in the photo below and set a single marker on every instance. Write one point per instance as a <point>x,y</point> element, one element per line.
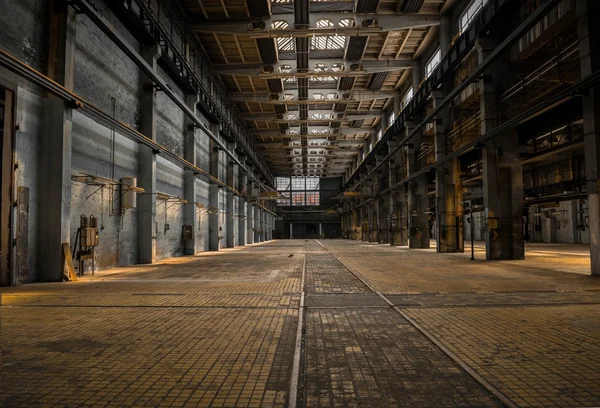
<point>22,261</point>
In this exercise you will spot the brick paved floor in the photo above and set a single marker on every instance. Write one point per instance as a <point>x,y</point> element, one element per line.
<point>219,330</point>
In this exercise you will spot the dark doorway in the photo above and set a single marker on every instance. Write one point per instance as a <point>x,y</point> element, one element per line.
<point>312,231</point>
<point>6,166</point>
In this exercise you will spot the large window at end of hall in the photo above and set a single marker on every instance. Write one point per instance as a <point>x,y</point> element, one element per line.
<point>298,190</point>
<point>433,62</point>
<point>466,18</point>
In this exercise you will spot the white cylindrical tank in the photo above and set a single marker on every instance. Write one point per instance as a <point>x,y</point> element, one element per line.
<point>128,195</point>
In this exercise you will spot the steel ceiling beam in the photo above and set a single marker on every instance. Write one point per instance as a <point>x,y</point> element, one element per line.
<point>337,116</point>
<point>363,25</point>
<point>290,66</point>
<point>283,97</point>
<point>334,132</point>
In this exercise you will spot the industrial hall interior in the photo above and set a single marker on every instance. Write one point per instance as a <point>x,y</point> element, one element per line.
<point>300,203</point>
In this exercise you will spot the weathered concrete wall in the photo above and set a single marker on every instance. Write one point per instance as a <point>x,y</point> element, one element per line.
<point>106,77</point>
<point>93,154</point>
<point>169,213</point>
<point>24,30</point>
<point>561,227</point>
<point>28,114</point>
<point>24,35</point>
<point>109,79</point>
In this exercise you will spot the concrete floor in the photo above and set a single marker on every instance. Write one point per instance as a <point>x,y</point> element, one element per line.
<point>379,327</point>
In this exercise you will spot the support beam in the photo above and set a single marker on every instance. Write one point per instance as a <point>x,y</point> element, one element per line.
<point>589,43</point>
<point>242,210</point>
<point>289,69</point>
<point>418,198</point>
<point>447,221</point>
<point>190,185</point>
<point>502,176</point>
<point>333,116</point>
<point>290,97</point>
<point>229,201</point>
<point>250,222</point>
<point>56,147</point>
<point>146,211</point>
<point>214,216</point>
<point>263,28</point>
<point>257,223</point>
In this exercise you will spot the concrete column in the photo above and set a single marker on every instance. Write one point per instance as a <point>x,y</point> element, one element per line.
<point>214,227</point>
<point>230,209</point>
<point>502,177</point>
<point>263,225</point>
<point>242,211</point>
<point>418,199</point>
<point>257,224</point>
<point>56,149</point>
<point>403,218</point>
<point>589,41</point>
<point>271,223</point>
<point>146,203</point>
<point>371,221</point>
<point>189,184</point>
<point>250,222</point>
<point>445,188</point>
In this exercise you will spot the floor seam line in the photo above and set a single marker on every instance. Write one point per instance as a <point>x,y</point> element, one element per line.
<point>479,379</point>
<point>295,380</point>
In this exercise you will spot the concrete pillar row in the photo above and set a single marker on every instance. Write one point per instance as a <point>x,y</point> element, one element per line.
<point>250,222</point>
<point>214,216</point>
<point>418,198</point>
<point>589,43</point>
<point>146,203</point>
<point>448,223</point>
<point>189,178</point>
<point>502,176</point>
<point>257,223</point>
<point>371,221</point>
<point>242,210</point>
<point>229,200</point>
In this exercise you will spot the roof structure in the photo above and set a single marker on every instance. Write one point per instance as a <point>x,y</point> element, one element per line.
<point>312,78</point>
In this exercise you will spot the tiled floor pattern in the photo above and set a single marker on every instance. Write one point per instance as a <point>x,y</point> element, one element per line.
<point>529,328</point>
<point>200,331</point>
<point>360,352</point>
<point>537,356</point>
<point>401,271</point>
<point>144,357</point>
<point>218,330</point>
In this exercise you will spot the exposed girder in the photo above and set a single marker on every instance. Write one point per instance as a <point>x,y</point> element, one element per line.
<point>334,132</point>
<point>331,96</point>
<point>363,25</point>
<point>333,116</point>
<point>289,68</point>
